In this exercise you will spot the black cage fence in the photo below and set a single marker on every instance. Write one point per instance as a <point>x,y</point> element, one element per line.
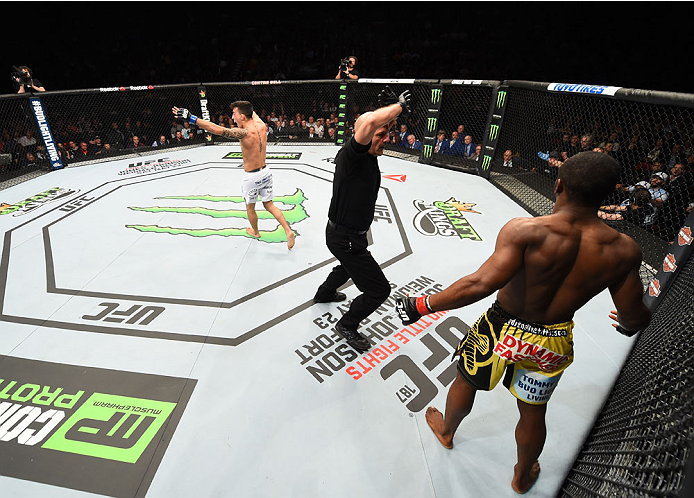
<point>525,130</point>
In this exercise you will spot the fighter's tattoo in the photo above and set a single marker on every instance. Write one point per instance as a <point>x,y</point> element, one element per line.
<point>260,142</point>
<point>234,133</point>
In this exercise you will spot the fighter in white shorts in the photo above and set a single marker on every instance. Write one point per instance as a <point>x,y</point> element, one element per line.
<point>257,177</point>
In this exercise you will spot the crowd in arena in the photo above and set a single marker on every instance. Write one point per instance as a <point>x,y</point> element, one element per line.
<point>656,189</point>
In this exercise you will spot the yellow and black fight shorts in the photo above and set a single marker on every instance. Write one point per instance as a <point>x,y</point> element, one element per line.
<point>530,357</point>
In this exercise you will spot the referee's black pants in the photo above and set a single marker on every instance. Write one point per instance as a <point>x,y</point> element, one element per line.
<point>356,263</point>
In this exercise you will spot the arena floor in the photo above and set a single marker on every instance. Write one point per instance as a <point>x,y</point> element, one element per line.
<point>150,348</point>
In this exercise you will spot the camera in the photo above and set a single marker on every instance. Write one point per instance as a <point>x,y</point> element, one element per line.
<point>21,77</point>
<point>344,64</point>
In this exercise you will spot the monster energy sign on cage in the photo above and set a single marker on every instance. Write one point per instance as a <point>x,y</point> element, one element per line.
<point>433,107</point>
<point>342,115</point>
<point>496,114</point>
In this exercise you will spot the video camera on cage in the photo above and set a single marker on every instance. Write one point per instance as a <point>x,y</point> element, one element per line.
<point>344,64</point>
<point>21,77</point>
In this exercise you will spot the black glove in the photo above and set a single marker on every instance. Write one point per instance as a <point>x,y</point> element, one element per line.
<point>405,102</point>
<point>387,97</point>
<point>183,113</point>
<point>411,309</point>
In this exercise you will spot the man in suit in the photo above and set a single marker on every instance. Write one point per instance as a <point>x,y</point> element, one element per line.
<point>454,146</point>
<point>469,147</point>
<point>403,134</point>
<point>413,143</point>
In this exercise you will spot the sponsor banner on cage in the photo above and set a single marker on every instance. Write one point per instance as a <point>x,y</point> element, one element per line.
<point>124,88</point>
<point>576,88</point>
<point>466,82</point>
<point>46,135</point>
<point>56,418</point>
<point>386,80</point>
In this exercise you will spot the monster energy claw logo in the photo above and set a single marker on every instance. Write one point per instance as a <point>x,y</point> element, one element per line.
<point>435,95</point>
<point>431,124</point>
<point>295,214</point>
<point>493,132</point>
<point>427,151</point>
<point>500,99</point>
<point>486,162</point>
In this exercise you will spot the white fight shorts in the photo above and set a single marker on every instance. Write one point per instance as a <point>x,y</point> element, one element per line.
<point>257,184</point>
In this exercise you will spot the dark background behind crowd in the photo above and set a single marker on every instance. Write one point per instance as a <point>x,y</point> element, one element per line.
<point>77,45</point>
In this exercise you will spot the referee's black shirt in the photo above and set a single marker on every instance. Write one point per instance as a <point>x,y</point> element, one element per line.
<point>355,186</point>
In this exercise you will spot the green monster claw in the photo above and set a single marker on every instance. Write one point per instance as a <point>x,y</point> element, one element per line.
<point>277,235</point>
<point>294,215</point>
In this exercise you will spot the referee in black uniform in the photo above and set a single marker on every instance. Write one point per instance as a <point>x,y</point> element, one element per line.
<point>355,189</point>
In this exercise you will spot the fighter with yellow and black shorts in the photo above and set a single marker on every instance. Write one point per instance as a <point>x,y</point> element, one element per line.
<point>530,357</point>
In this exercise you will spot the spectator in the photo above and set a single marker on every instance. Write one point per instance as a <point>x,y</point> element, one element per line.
<point>677,156</point>
<point>71,149</point>
<point>107,150</point>
<point>136,144</point>
<point>293,130</point>
<point>454,146</point>
<point>469,147</point>
<point>477,154</point>
<point>115,136</point>
<point>331,134</point>
<point>573,148</point>
<point>614,138</point>
<point>95,148</point>
<point>630,155</point>
<point>637,210</point>
<point>402,135</point>
<point>186,131</point>
<point>162,142</point>
<point>413,143</point>
<point>320,129</point>
<point>176,127</point>
<point>586,143</point>
<point>178,138</point>
<point>83,151</point>
<point>461,130</point>
<point>27,141</point>
<point>312,134</point>
<point>439,141</point>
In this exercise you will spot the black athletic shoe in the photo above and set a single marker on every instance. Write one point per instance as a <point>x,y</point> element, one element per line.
<point>339,296</point>
<point>353,338</point>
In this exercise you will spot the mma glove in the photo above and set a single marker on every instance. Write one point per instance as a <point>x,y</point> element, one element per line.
<point>387,97</point>
<point>411,309</point>
<point>185,114</point>
<point>405,101</point>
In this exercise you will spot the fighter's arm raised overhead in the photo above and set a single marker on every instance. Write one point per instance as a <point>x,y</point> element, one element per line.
<point>367,124</point>
<point>215,129</point>
<point>632,314</point>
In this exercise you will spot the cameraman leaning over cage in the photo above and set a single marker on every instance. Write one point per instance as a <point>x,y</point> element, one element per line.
<point>24,82</point>
<point>347,69</point>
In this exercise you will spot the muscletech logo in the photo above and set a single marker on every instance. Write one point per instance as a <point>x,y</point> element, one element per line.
<point>296,214</point>
<point>49,406</point>
<point>500,99</point>
<point>486,162</point>
<point>493,132</point>
<point>36,201</point>
<point>445,218</point>
<point>428,150</point>
<point>435,95</point>
<point>431,124</point>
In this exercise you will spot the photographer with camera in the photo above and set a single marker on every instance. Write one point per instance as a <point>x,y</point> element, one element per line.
<point>347,69</point>
<point>24,82</point>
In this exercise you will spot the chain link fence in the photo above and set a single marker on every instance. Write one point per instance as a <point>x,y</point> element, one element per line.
<point>640,443</point>
<point>652,142</point>
<point>300,112</point>
<point>22,152</point>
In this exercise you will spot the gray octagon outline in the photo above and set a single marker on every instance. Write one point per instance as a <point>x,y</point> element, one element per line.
<point>224,341</point>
